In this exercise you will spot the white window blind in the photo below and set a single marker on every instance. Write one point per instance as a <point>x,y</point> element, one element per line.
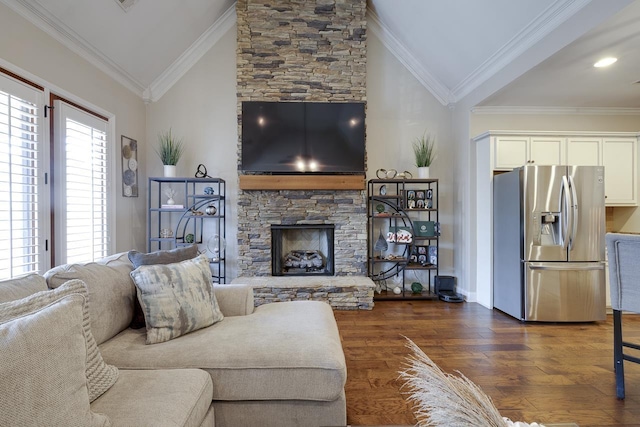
<point>82,178</point>
<point>21,201</point>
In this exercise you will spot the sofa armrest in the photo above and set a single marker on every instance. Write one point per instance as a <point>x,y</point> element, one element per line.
<point>234,300</point>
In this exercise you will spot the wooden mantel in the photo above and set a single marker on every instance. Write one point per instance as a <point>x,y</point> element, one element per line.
<point>302,182</point>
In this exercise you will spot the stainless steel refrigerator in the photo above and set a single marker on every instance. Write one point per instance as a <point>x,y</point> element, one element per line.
<point>548,243</point>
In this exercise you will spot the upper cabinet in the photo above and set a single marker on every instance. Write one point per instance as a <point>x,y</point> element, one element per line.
<point>619,157</point>
<point>514,151</point>
<point>616,151</point>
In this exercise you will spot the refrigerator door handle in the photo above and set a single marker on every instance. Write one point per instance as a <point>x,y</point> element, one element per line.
<point>561,267</point>
<point>566,214</point>
<point>574,211</point>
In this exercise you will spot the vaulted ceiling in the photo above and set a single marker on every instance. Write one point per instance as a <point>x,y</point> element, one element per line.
<point>452,47</point>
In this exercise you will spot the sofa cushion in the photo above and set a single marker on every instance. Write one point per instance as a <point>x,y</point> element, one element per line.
<point>13,289</point>
<point>43,361</point>
<point>156,398</point>
<point>99,375</point>
<point>169,256</point>
<point>285,350</point>
<point>111,292</point>
<point>176,298</point>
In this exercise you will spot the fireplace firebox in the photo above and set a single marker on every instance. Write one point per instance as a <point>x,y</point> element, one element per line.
<point>302,249</point>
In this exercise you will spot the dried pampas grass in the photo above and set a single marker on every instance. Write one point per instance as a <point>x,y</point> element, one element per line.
<point>441,399</point>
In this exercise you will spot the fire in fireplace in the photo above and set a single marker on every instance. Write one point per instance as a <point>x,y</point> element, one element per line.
<point>302,249</point>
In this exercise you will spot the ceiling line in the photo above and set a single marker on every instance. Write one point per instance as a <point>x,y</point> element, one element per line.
<point>391,42</point>
<point>550,19</point>
<point>51,25</point>
<point>587,111</point>
<point>188,58</point>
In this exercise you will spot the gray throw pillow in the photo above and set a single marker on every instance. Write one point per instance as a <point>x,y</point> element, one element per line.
<point>176,298</point>
<point>171,256</point>
<point>99,376</point>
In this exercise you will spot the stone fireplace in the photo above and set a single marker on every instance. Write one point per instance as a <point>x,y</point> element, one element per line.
<point>301,50</point>
<point>302,250</point>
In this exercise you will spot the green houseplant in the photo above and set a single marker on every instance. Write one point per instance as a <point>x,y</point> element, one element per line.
<point>424,149</point>
<point>170,150</point>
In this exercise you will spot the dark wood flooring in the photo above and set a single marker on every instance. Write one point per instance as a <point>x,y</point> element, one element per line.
<point>534,372</point>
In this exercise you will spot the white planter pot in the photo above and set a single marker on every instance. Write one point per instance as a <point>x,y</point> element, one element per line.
<point>169,171</point>
<point>423,172</point>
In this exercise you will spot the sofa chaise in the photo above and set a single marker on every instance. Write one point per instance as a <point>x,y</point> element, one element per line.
<point>278,364</point>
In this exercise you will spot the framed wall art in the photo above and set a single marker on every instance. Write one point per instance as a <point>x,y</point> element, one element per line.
<point>129,153</point>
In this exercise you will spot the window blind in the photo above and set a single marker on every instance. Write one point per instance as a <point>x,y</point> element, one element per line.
<point>20,193</point>
<point>84,225</point>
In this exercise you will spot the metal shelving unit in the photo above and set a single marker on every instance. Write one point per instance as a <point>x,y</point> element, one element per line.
<point>192,220</point>
<point>392,206</point>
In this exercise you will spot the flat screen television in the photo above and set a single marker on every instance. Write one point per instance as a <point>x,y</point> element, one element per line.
<point>303,137</point>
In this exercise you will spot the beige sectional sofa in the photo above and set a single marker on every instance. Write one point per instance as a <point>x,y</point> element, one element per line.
<point>276,365</point>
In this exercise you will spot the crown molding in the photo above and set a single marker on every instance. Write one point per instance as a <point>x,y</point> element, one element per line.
<point>193,54</point>
<point>391,42</point>
<point>578,111</point>
<point>554,16</point>
<point>51,25</point>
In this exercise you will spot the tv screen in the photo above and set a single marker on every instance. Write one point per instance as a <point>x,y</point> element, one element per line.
<point>303,137</point>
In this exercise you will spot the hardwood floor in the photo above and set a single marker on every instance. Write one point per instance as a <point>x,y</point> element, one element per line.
<point>534,372</point>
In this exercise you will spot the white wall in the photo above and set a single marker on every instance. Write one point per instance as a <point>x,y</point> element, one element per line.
<point>26,50</point>
<point>201,109</point>
<point>399,109</point>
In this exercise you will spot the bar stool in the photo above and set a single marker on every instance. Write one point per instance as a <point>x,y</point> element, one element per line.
<point>624,278</point>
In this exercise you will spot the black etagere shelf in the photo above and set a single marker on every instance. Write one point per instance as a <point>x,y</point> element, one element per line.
<point>405,213</point>
<point>197,216</point>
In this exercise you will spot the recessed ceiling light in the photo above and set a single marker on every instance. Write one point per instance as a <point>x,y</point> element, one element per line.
<point>605,62</point>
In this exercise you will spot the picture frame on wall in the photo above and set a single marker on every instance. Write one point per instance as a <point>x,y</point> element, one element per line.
<point>129,154</point>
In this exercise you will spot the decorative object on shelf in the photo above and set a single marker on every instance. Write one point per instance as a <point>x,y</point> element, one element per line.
<point>425,228</point>
<point>380,208</point>
<point>165,233</point>
<point>195,212</point>
<point>129,153</point>
<point>201,172</point>
<point>170,150</point>
<point>399,235</point>
<point>209,191</point>
<point>424,149</point>
<point>211,209</point>
<point>397,290</point>
<point>386,174</point>
<point>216,246</point>
<point>416,287</point>
<point>383,190</point>
<point>404,175</point>
<point>170,192</point>
<point>189,238</point>
<point>381,244</point>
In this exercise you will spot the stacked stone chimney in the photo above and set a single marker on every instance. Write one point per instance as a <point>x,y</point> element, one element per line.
<point>301,50</point>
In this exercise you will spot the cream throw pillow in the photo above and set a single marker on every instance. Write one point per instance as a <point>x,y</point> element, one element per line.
<point>176,298</point>
<point>43,355</point>
<point>100,376</point>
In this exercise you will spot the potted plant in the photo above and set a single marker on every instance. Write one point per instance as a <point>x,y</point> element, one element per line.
<point>170,150</point>
<point>424,149</point>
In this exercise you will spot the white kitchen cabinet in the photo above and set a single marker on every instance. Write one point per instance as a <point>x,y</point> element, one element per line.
<point>617,152</point>
<point>584,151</point>
<point>620,171</point>
<point>511,152</point>
<point>515,151</point>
